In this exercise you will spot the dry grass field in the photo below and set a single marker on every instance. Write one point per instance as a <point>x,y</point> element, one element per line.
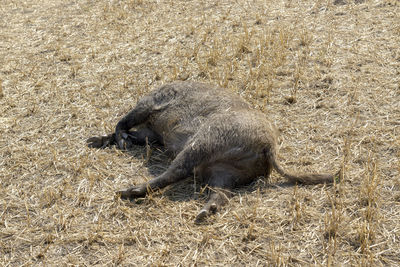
<point>327,72</point>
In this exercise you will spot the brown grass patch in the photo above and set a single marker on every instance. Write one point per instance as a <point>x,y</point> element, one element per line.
<point>326,72</point>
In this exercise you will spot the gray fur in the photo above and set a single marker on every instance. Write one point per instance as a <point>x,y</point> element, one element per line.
<point>207,130</point>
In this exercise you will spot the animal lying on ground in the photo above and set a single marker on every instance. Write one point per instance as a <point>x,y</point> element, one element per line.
<point>208,131</point>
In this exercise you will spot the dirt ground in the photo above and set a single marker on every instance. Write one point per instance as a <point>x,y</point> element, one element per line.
<point>326,72</point>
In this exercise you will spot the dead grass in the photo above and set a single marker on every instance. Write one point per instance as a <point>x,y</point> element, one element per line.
<point>327,72</point>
